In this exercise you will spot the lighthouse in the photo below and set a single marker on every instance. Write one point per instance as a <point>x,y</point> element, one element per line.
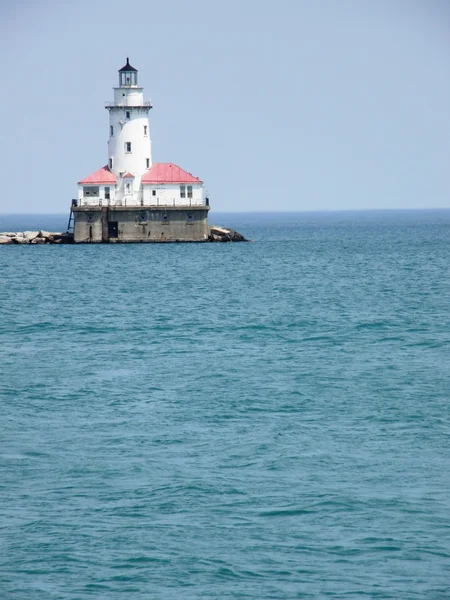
<point>129,142</point>
<point>131,198</point>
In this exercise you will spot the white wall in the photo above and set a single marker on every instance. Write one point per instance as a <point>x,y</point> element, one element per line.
<point>130,130</point>
<point>169,195</point>
<point>135,130</point>
<point>95,201</point>
<point>128,96</point>
<point>166,195</point>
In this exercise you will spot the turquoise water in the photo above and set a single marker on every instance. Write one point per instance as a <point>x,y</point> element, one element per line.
<point>256,421</point>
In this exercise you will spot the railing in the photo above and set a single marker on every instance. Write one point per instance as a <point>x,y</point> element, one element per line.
<point>133,202</point>
<point>121,104</point>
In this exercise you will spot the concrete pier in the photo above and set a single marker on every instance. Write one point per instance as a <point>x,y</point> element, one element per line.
<point>115,224</point>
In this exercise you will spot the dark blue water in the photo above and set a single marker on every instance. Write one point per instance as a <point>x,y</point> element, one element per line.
<point>266,420</point>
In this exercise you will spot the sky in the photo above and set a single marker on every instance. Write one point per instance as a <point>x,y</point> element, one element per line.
<point>287,105</point>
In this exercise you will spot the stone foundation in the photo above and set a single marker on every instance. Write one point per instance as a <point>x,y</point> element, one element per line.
<point>116,224</point>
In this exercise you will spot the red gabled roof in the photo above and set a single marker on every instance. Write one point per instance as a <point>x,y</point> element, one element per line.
<point>103,175</point>
<point>128,176</point>
<point>168,173</point>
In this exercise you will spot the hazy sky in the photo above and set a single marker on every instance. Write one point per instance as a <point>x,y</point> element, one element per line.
<point>277,105</point>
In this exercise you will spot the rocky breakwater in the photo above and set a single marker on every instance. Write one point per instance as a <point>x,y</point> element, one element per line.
<point>216,234</point>
<point>222,234</point>
<point>35,237</point>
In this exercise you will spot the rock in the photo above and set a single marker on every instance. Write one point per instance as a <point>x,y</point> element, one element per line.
<point>221,234</point>
<point>5,239</point>
<point>47,234</point>
<point>37,237</point>
<point>217,238</point>
<point>52,235</point>
<point>65,238</point>
<point>31,235</point>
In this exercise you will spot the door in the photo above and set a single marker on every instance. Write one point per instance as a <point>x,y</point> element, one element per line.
<point>113,229</point>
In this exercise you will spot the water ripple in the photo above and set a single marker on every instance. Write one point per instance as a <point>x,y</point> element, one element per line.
<point>261,421</point>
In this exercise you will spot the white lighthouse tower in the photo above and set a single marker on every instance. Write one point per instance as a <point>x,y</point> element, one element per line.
<point>131,198</point>
<point>129,144</point>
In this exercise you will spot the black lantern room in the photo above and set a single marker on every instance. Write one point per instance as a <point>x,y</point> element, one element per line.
<point>128,75</point>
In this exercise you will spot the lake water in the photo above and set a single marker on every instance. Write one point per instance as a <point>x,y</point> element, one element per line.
<point>245,421</point>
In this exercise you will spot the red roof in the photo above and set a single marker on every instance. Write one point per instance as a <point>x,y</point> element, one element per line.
<point>128,176</point>
<point>103,175</point>
<point>168,173</point>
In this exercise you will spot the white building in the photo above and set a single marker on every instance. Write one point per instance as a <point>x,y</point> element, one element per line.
<point>131,179</point>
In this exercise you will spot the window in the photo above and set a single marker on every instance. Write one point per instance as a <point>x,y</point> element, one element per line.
<point>111,130</point>
<point>182,191</point>
<point>127,146</point>
<point>128,78</point>
<point>107,194</point>
<point>153,192</point>
<point>189,191</point>
<point>127,114</point>
<point>91,191</point>
<point>128,188</point>
<point>145,129</point>
<point>147,162</point>
<point>110,163</point>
